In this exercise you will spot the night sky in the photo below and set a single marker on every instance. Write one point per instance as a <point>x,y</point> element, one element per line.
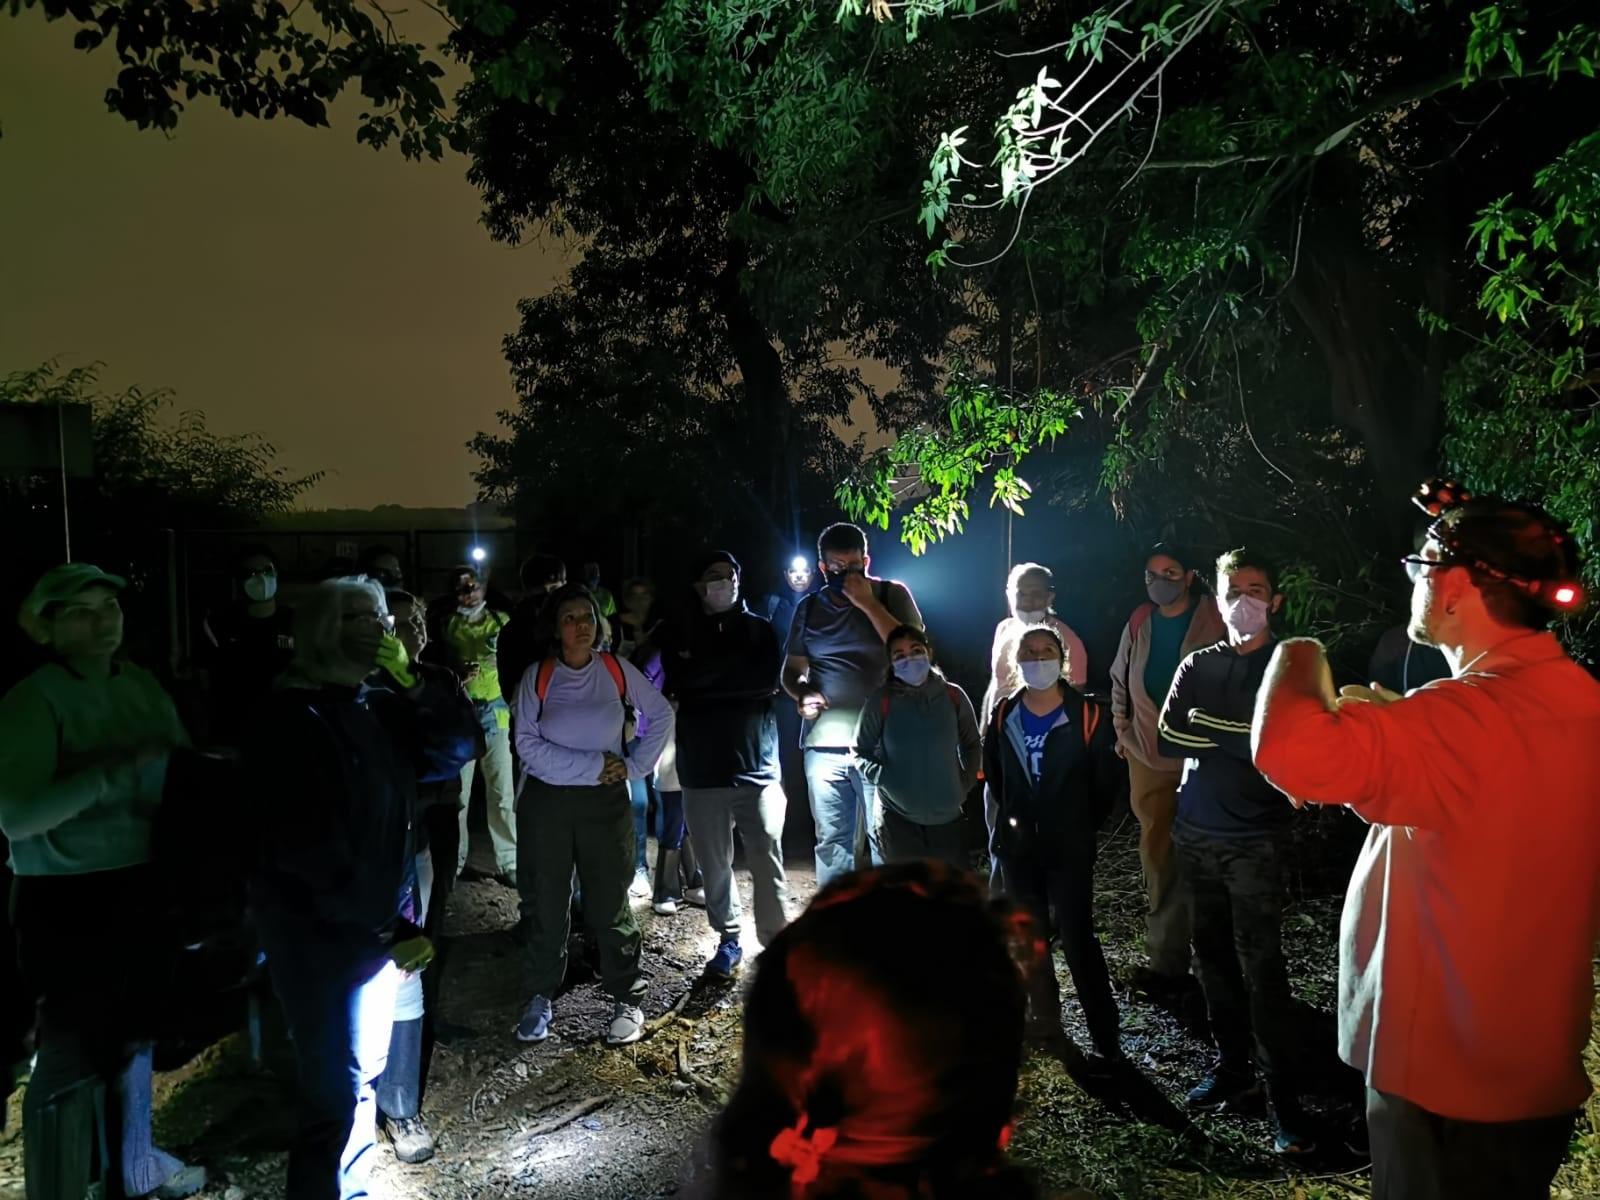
<point>344,303</point>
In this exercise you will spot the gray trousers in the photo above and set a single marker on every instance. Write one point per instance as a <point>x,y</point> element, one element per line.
<point>712,815</point>
<point>1419,1155</point>
<point>904,840</point>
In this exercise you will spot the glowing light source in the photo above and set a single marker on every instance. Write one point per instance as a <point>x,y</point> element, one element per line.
<point>799,563</point>
<point>479,554</point>
<point>1566,594</point>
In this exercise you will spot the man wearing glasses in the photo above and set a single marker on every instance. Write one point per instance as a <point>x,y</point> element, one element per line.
<point>1469,928</point>
<point>1159,635</point>
<point>473,632</point>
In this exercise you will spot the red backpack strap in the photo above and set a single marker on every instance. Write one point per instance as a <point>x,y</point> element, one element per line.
<point>883,704</point>
<point>1091,721</point>
<point>614,669</point>
<point>541,678</point>
<point>1140,616</point>
<point>954,693</point>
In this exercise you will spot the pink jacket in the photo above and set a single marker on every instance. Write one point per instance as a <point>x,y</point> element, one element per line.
<point>1469,928</point>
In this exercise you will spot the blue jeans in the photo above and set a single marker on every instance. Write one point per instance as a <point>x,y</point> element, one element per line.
<point>841,799</point>
<point>639,798</point>
<point>673,827</point>
<point>340,1013</point>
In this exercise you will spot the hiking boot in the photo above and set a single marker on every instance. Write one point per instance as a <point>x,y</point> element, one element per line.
<point>726,960</point>
<point>535,1023</point>
<point>1221,1089</point>
<point>185,1181</point>
<point>640,887</point>
<point>665,907</point>
<point>410,1138</point>
<point>627,1024</point>
<point>1291,1129</point>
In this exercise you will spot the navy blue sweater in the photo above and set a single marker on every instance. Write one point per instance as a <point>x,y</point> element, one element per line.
<point>1206,721</point>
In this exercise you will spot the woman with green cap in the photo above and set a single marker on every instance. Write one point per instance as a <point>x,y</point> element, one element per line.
<point>84,746</point>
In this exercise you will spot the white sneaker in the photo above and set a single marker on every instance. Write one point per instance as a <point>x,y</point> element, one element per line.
<point>665,908</point>
<point>627,1025</point>
<point>695,895</point>
<point>641,886</point>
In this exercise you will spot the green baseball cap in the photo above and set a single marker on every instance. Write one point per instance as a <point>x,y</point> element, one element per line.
<point>64,582</point>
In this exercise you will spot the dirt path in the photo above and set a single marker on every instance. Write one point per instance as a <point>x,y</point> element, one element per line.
<point>574,1120</point>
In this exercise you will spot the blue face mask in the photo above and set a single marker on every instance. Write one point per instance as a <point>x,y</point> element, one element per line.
<point>912,671</point>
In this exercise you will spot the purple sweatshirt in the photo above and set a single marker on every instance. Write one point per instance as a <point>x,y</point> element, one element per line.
<point>563,742</point>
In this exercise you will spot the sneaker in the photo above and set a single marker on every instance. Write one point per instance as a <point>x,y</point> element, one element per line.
<point>627,1024</point>
<point>1291,1131</point>
<point>695,896</point>
<point>410,1138</point>
<point>535,1023</point>
<point>641,886</point>
<point>1221,1089</point>
<point>666,907</point>
<point>726,960</point>
<point>185,1181</point>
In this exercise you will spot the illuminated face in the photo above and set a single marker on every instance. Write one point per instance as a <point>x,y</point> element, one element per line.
<point>575,624</point>
<point>1428,615</point>
<point>1162,566</point>
<point>1033,594</point>
<point>363,620</point>
<point>411,627</point>
<point>89,625</point>
<point>798,576</point>
<point>1246,581</point>
<point>469,590</point>
<point>844,562</point>
<point>905,648</point>
<point>1038,647</point>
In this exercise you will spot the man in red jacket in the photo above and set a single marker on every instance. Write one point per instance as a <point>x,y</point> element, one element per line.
<point>1465,950</point>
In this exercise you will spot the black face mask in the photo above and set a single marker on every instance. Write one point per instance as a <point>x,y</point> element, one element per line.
<point>835,579</point>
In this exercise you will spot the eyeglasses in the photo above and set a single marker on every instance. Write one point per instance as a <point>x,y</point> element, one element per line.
<point>1415,565</point>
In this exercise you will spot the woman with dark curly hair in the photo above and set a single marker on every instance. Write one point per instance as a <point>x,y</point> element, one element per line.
<point>882,1041</point>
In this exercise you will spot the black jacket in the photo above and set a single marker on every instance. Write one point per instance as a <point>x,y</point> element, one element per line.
<point>1054,820</point>
<point>332,774</point>
<point>1206,720</point>
<point>722,670</point>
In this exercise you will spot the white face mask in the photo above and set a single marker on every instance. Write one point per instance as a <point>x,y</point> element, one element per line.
<point>473,613</point>
<point>260,588</point>
<point>1245,616</point>
<point>1041,673</point>
<point>1032,616</point>
<point>720,594</point>
<point>912,671</point>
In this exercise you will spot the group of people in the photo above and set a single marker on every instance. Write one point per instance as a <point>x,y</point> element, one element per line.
<point>884,1027</point>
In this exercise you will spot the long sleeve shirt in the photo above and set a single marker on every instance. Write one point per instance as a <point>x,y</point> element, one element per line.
<point>1206,721</point>
<point>563,739</point>
<point>1469,928</point>
<point>72,797</point>
<point>925,752</point>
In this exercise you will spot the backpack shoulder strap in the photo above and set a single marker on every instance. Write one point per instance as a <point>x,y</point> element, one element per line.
<point>541,682</point>
<point>883,703</point>
<point>1140,615</point>
<point>954,693</point>
<point>1091,721</point>
<point>614,669</point>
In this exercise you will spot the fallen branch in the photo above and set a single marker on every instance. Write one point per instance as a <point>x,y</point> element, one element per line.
<point>668,1017</point>
<point>562,1119</point>
<point>707,1091</point>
